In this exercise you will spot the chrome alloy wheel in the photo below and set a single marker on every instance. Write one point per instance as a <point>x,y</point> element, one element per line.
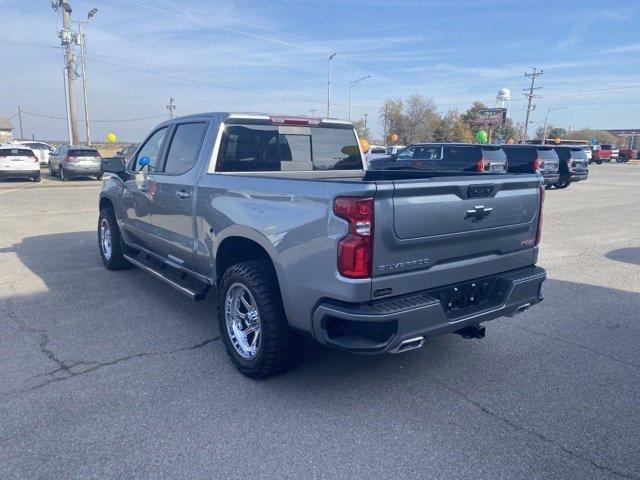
<point>105,239</point>
<point>243,320</point>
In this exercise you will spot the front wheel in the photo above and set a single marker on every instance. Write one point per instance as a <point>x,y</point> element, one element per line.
<point>598,162</point>
<point>252,321</point>
<point>110,241</point>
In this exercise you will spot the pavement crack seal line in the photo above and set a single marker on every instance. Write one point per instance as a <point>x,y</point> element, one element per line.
<point>69,373</point>
<point>570,342</point>
<point>65,370</point>
<point>540,436</point>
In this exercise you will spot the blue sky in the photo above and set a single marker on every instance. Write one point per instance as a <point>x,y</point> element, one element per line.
<point>271,55</point>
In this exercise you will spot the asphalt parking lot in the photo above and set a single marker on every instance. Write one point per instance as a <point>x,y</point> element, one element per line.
<point>115,375</point>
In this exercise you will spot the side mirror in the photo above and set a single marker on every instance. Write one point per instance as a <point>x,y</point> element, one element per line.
<point>112,165</point>
<point>119,152</point>
<point>144,162</point>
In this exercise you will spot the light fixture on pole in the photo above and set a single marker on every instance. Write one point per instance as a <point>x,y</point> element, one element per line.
<point>351,85</point>
<point>546,121</point>
<point>331,57</point>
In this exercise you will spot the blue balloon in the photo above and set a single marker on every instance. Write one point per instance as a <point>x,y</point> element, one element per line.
<point>144,161</point>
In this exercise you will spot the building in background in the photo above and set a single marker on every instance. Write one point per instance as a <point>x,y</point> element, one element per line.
<point>6,130</point>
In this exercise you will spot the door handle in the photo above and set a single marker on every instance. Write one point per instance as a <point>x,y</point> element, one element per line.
<point>143,187</point>
<point>182,194</point>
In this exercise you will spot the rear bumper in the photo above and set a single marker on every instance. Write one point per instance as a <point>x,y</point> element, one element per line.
<point>551,178</point>
<point>382,326</point>
<point>578,177</point>
<point>82,171</point>
<point>19,173</point>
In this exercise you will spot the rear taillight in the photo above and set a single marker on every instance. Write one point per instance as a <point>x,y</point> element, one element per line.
<point>33,157</point>
<point>537,164</point>
<point>355,250</point>
<point>539,231</point>
<point>482,165</point>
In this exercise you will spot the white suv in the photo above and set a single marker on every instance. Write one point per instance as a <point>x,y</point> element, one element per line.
<point>41,149</point>
<point>18,161</point>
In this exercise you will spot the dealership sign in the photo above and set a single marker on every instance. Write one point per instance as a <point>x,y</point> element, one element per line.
<point>491,116</point>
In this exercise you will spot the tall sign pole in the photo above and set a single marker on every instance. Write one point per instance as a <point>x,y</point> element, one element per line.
<point>66,39</point>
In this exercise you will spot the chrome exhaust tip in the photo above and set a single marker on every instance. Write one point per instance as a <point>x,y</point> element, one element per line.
<point>410,344</point>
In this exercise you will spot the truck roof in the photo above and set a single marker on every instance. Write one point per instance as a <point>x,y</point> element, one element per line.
<point>265,117</point>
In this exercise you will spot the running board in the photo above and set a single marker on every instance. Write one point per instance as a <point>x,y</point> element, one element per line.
<point>186,285</point>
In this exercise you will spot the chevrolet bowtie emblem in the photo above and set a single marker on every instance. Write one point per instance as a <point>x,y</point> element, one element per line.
<point>478,213</point>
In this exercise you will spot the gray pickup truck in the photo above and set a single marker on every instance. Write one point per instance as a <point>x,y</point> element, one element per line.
<point>298,239</point>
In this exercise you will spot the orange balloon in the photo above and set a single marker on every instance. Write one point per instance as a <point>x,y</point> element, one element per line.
<point>393,137</point>
<point>364,145</point>
<point>510,141</point>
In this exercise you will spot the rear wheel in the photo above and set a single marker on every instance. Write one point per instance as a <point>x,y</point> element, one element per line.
<point>599,162</point>
<point>36,179</point>
<point>110,241</point>
<point>252,321</point>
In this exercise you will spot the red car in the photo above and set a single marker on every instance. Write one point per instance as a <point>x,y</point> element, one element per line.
<point>602,153</point>
<point>627,154</point>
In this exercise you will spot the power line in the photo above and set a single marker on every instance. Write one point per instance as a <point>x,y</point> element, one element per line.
<point>53,117</point>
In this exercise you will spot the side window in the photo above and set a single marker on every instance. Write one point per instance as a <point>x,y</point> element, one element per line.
<point>406,154</point>
<point>249,149</point>
<point>185,145</point>
<point>150,150</point>
<point>427,153</point>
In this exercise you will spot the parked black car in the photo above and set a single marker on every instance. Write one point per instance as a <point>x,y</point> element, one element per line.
<point>457,157</point>
<point>573,165</point>
<point>540,159</point>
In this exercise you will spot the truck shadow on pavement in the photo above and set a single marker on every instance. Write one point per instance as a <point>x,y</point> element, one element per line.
<point>625,255</point>
<point>578,346</point>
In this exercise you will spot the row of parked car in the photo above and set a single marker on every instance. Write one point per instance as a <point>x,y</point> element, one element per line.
<point>24,160</point>
<point>559,165</point>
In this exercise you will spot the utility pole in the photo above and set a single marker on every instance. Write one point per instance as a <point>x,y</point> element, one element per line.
<point>80,38</point>
<point>171,107</point>
<point>329,84</point>
<point>385,124</point>
<point>20,122</point>
<point>351,85</point>
<point>365,124</point>
<point>530,96</point>
<point>66,38</point>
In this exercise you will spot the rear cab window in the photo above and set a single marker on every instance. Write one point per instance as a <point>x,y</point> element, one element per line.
<point>494,154</point>
<point>273,148</point>
<point>464,155</point>
<point>547,154</point>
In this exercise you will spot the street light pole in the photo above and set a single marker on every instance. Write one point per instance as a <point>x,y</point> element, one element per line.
<point>546,121</point>
<point>84,72</point>
<point>329,84</point>
<point>351,85</point>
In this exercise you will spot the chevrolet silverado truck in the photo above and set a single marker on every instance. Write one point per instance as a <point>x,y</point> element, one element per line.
<point>279,216</point>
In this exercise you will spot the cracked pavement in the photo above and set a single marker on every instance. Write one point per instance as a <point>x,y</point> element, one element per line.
<point>115,375</point>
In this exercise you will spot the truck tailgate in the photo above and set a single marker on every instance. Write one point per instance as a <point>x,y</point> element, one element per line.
<point>451,229</point>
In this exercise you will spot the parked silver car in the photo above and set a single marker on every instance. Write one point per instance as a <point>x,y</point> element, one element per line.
<point>41,149</point>
<point>69,161</point>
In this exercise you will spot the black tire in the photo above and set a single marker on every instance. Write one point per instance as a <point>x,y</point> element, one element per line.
<point>99,177</point>
<point>63,176</point>
<point>279,347</point>
<point>599,162</point>
<point>51,171</point>
<point>116,260</point>
<point>36,179</point>
<point>562,185</point>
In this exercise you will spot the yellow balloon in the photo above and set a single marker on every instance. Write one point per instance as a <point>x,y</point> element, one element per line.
<point>111,137</point>
<point>393,137</point>
<point>364,145</point>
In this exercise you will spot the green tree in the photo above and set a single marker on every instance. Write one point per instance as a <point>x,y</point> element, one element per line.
<point>588,134</point>
<point>504,132</point>
<point>451,128</point>
<point>392,112</point>
<point>552,132</point>
<point>362,133</point>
